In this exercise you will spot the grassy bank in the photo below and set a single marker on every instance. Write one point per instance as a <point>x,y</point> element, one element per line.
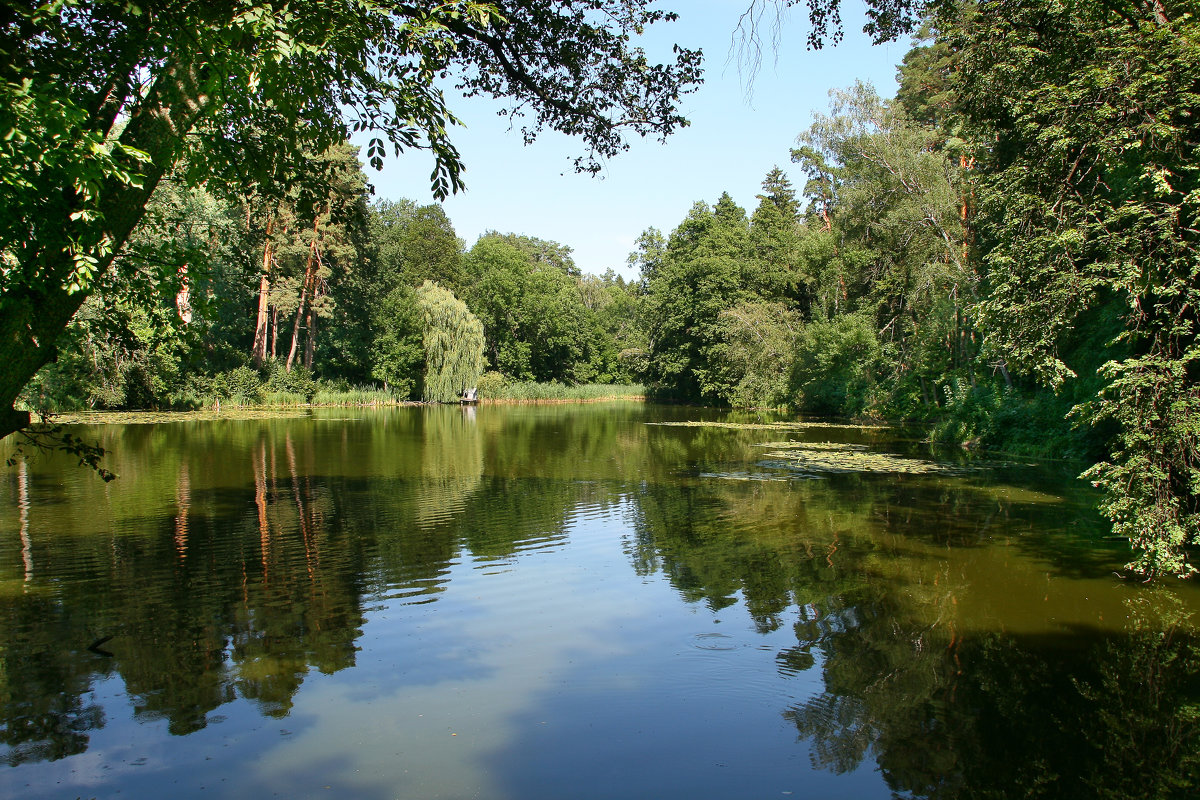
<point>265,400</point>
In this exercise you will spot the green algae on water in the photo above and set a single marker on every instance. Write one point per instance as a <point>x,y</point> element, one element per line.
<point>839,458</point>
<point>155,417</point>
<point>771,426</point>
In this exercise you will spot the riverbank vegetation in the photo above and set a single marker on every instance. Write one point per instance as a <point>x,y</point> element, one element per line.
<point>1005,252</point>
<point>378,305</point>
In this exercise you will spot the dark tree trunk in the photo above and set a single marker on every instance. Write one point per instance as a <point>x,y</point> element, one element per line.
<point>32,317</point>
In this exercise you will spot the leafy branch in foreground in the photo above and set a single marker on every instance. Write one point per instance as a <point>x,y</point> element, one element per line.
<point>46,437</point>
<point>1090,195</point>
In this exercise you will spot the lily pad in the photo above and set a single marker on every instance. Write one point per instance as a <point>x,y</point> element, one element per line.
<point>754,476</point>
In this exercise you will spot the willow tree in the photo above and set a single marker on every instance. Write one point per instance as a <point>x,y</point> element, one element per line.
<point>453,339</point>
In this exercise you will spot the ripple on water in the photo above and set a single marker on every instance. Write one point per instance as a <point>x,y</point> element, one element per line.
<point>417,592</point>
<point>714,641</point>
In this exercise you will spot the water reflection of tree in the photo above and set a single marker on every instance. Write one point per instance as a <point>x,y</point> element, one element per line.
<point>235,558</point>
<point>943,712</point>
<point>234,593</point>
<point>1008,716</point>
<point>43,686</point>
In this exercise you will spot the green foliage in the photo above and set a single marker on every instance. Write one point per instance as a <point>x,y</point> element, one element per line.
<point>775,233</point>
<point>1089,192</point>
<point>529,297</point>
<point>414,244</point>
<point>534,392</point>
<point>836,366</point>
<point>338,395</point>
<point>453,341</point>
<point>243,386</point>
<point>398,352</point>
<point>100,100</point>
<point>614,329</point>
<point>45,141</point>
<point>297,382</point>
<point>754,354</point>
<point>114,356</point>
<point>492,385</point>
<point>888,193</point>
<point>700,273</point>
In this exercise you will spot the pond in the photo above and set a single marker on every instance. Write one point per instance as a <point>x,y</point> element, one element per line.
<point>597,601</point>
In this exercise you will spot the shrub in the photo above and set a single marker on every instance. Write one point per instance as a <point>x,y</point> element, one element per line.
<point>835,366</point>
<point>299,381</point>
<point>242,386</point>
<point>492,384</point>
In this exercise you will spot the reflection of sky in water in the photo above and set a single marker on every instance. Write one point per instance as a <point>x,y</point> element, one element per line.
<point>531,681</point>
<point>550,704</point>
<point>531,613</point>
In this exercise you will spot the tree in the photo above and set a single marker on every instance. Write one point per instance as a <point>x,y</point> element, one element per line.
<point>836,365</point>
<point>1090,196</point>
<point>453,340</point>
<point>398,350</point>
<point>704,270</point>
<point>415,244</point>
<point>617,337</point>
<point>888,241</point>
<point>532,308</point>
<point>754,352</point>
<point>98,101</point>
<point>774,238</point>
<point>540,252</point>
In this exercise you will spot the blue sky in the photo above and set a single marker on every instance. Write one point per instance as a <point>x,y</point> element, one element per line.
<point>738,133</point>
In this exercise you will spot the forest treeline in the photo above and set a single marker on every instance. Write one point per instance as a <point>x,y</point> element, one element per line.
<point>854,295</point>
<point>1005,251</point>
<point>279,298</point>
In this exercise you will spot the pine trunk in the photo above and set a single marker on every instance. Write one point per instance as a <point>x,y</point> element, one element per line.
<point>310,343</point>
<point>310,276</point>
<point>259,349</point>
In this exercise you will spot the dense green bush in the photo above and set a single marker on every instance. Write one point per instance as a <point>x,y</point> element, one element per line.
<point>243,385</point>
<point>835,366</point>
<point>297,382</point>
<point>492,384</point>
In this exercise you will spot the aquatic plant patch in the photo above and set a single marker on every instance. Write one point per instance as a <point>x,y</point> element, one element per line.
<point>840,458</point>
<point>154,417</point>
<point>771,426</point>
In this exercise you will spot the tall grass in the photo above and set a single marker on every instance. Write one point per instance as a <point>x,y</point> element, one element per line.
<point>286,399</point>
<point>323,396</point>
<point>531,392</point>
<point>354,396</point>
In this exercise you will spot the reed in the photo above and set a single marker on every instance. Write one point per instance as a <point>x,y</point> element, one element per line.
<point>355,396</point>
<point>533,392</point>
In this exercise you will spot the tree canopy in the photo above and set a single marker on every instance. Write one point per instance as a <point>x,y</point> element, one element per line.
<point>453,340</point>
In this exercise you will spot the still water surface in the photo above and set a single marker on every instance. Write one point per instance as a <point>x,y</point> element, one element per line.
<point>576,601</point>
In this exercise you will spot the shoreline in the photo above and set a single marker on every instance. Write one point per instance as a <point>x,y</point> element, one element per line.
<point>232,412</point>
